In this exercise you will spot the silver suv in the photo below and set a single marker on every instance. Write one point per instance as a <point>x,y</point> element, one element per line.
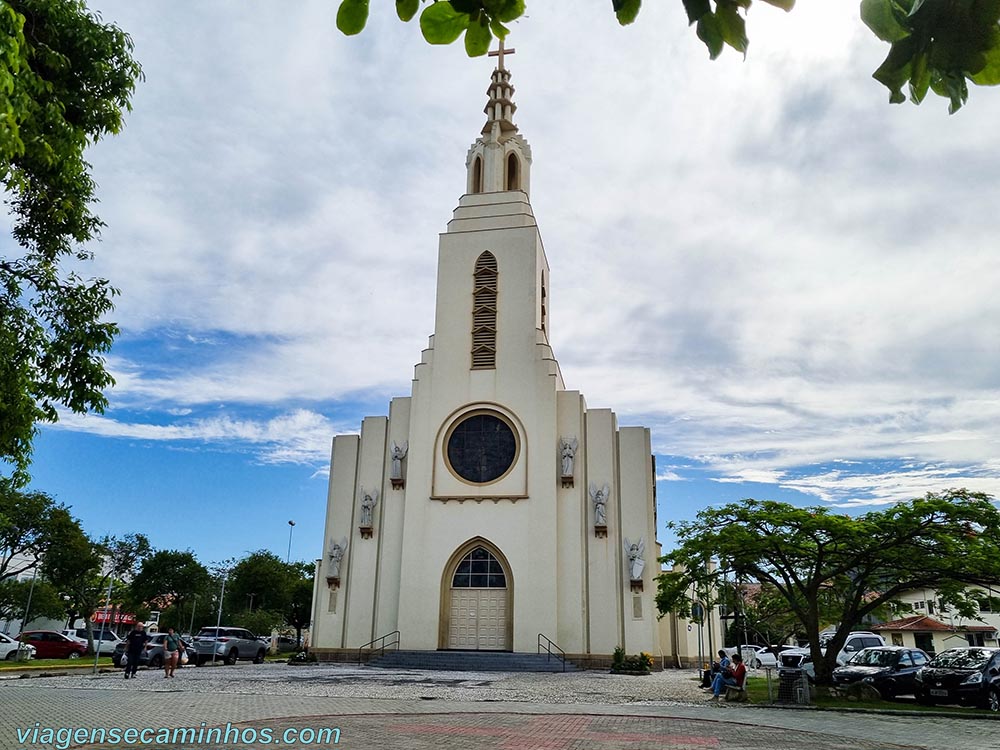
<point>228,645</point>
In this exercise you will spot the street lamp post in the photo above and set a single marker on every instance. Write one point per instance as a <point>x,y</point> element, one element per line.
<point>291,527</point>
<point>218,620</point>
<point>27,608</point>
<point>104,623</point>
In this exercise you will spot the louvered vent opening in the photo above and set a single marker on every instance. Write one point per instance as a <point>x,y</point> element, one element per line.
<point>484,313</point>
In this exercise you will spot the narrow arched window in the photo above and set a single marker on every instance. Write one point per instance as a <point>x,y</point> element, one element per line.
<point>484,313</point>
<point>513,172</point>
<point>477,175</point>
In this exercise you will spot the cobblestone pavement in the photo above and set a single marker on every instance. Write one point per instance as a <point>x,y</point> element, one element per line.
<point>423,709</point>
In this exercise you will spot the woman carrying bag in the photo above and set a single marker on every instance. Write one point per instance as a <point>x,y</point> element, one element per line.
<point>171,650</point>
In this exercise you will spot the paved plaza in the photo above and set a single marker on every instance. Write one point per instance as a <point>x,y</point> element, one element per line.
<point>292,706</point>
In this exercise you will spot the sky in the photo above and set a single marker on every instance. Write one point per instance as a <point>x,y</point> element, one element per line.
<point>789,280</point>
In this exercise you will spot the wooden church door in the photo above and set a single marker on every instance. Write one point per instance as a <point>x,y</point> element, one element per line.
<point>478,610</point>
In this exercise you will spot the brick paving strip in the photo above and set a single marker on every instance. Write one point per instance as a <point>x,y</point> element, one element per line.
<point>511,731</point>
<point>378,724</point>
<point>421,709</point>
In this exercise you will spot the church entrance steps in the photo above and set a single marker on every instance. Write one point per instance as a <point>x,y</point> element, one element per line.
<point>470,661</point>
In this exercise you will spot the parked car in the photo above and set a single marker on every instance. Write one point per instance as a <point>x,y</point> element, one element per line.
<point>152,653</point>
<point>768,656</point>
<point>287,644</point>
<point>52,645</point>
<point>227,644</point>
<point>889,669</point>
<point>801,658</point>
<point>969,676</point>
<point>9,648</point>
<point>104,641</point>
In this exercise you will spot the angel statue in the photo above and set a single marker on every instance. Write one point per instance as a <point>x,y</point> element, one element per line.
<point>368,502</point>
<point>398,454</point>
<point>336,553</point>
<point>567,450</point>
<point>600,499</point>
<point>633,553</point>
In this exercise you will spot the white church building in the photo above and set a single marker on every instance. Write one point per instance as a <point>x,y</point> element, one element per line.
<point>492,505</point>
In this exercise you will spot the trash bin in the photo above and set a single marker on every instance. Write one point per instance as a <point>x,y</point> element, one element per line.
<point>793,686</point>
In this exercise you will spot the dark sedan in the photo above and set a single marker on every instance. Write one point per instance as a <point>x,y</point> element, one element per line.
<point>891,670</point>
<point>969,676</point>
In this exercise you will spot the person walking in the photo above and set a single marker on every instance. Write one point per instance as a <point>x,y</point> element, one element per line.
<point>171,652</point>
<point>135,641</point>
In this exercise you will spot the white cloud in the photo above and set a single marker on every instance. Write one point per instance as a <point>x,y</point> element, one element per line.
<point>763,260</point>
<point>299,436</point>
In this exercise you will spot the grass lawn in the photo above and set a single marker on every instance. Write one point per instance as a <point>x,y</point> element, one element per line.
<point>83,661</point>
<point>757,690</point>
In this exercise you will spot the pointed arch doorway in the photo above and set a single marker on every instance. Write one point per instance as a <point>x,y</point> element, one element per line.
<point>477,597</point>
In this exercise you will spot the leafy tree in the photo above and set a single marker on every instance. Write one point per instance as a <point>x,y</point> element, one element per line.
<point>829,567</point>
<point>84,569</point>
<point>261,580</point>
<point>936,45</point>
<point>299,611</point>
<point>73,565</point>
<point>28,523</point>
<point>65,80</point>
<point>261,621</point>
<point>45,600</point>
<point>170,580</point>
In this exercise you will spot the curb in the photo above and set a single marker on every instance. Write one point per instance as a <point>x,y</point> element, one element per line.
<point>879,711</point>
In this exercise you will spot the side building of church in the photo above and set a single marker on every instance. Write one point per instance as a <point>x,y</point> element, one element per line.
<point>492,505</point>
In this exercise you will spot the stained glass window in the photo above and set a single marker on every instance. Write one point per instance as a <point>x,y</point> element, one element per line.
<point>482,448</point>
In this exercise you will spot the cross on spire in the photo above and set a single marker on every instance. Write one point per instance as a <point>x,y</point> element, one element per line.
<point>499,53</point>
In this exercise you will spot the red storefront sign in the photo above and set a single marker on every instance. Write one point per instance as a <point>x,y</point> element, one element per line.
<point>116,618</point>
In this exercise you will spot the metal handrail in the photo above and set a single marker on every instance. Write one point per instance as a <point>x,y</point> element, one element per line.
<point>549,645</point>
<point>381,648</point>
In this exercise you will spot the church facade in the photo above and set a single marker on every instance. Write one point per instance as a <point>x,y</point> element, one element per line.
<point>492,504</point>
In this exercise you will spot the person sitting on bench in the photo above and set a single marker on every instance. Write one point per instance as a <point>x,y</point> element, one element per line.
<point>722,664</point>
<point>734,675</point>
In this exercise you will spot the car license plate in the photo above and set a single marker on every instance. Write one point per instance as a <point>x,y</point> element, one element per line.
<point>939,693</point>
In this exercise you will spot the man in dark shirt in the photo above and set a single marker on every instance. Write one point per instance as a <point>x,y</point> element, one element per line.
<point>134,643</point>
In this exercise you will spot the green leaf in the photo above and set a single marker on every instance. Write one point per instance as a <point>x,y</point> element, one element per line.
<point>504,10</point>
<point>626,10</point>
<point>710,32</point>
<point>696,9</point>
<point>896,68</point>
<point>920,78</point>
<point>878,16</point>
<point>478,37</point>
<point>407,9</point>
<point>989,75</point>
<point>734,28</point>
<point>785,5</point>
<point>950,86</point>
<point>352,16</point>
<point>440,23</point>
<point>499,30</point>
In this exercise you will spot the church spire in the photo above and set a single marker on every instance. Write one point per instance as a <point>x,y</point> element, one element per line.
<point>500,108</point>
<point>500,159</point>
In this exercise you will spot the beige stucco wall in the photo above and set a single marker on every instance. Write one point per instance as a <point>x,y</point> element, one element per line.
<point>567,583</point>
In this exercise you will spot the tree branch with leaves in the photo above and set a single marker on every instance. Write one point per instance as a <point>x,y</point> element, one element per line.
<point>66,80</point>
<point>935,45</point>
